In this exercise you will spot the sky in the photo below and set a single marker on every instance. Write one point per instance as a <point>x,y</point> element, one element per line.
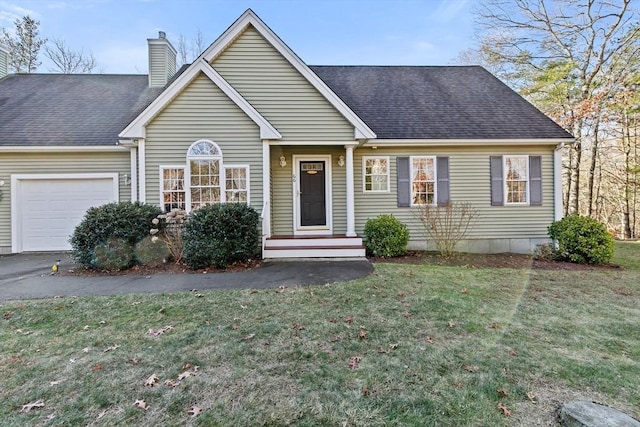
<point>327,32</point>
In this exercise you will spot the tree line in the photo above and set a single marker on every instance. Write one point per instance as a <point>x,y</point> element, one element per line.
<point>578,61</point>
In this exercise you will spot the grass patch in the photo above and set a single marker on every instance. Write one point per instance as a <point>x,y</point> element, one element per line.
<point>409,345</point>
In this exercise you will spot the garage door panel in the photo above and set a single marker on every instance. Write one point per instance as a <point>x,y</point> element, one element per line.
<point>52,208</point>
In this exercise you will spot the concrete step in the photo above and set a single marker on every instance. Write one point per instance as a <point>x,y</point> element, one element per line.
<point>312,241</point>
<point>317,251</point>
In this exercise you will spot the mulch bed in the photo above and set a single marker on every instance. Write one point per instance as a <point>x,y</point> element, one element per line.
<point>505,260</point>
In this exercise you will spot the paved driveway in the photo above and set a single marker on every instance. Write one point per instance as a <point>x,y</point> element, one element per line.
<point>27,276</point>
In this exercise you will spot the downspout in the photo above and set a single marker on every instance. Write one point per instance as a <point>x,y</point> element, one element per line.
<point>557,182</point>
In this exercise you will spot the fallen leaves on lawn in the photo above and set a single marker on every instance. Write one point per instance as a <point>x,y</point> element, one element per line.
<point>234,326</point>
<point>52,383</point>
<point>502,392</point>
<point>452,324</point>
<point>402,294</point>
<point>348,320</point>
<point>362,333</point>
<point>469,368</point>
<point>365,390</point>
<point>430,340</point>
<point>170,383</point>
<point>111,348</point>
<point>249,337</point>
<point>513,352</point>
<point>97,367</point>
<point>160,331</point>
<point>532,397</point>
<point>407,315</point>
<point>495,325</point>
<point>32,405</point>
<point>333,320</point>
<point>465,291</point>
<point>505,411</point>
<point>194,411</point>
<point>102,414</point>
<point>7,315</point>
<point>297,326</point>
<point>140,403</point>
<point>354,362</point>
<point>394,346</point>
<point>151,381</point>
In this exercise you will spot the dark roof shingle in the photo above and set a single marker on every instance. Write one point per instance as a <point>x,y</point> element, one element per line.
<point>70,109</point>
<point>450,102</point>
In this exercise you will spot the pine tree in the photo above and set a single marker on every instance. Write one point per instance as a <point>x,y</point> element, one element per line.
<point>24,45</point>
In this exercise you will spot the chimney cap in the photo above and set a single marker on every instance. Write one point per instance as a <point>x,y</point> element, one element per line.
<point>162,35</point>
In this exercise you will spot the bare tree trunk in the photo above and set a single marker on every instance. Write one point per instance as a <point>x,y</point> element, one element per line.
<point>592,166</point>
<point>569,174</point>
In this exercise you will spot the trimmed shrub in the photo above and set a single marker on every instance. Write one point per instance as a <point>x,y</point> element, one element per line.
<point>124,220</point>
<point>582,239</point>
<point>115,254</point>
<point>221,234</point>
<point>151,251</point>
<point>386,236</point>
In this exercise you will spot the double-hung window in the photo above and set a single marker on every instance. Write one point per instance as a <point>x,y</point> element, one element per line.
<point>516,180</point>
<point>204,180</point>
<point>375,174</point>
<point>423,180</point>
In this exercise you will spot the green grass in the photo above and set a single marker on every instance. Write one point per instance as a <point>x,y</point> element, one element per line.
<point>440,346</point>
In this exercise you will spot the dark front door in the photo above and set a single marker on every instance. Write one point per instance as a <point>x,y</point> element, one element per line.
<point>313,210</point>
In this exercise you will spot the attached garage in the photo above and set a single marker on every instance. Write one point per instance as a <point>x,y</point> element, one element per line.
<point>46,208</point>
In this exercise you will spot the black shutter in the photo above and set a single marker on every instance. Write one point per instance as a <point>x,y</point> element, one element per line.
<point>497,187</point>
<point>535,180</point>
<point>404,181</point>
<point>442,173</point>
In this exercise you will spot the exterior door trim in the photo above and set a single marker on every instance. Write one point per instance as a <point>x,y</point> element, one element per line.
<point>299,230</point>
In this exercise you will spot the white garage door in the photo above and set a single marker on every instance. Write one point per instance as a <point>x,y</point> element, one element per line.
<point>49,208</point>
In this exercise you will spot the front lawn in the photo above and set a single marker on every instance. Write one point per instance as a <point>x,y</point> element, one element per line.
<point>409,345</point>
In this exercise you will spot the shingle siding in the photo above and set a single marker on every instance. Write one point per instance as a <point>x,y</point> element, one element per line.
<point>55,163</point>
<point>279,92</point>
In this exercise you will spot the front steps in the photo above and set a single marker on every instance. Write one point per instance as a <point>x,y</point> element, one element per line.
<point>333,246</point>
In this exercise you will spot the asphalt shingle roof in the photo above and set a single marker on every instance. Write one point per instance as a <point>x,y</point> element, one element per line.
<point>396,102</point>
<point>70,109</point>
<point>452,102</point>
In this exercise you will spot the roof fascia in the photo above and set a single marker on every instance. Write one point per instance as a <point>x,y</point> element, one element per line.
<point>361,130</point>
<point>464,142</point>
<point>135,129</point>
<point>61,148</point>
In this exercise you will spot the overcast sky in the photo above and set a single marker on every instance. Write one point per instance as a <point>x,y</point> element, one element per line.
<point>329,32</point>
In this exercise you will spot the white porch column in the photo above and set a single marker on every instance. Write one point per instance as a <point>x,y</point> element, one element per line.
<point>266,189</point>
<point>351,213</point>
<point>134,174</point>
<point>142,166</point>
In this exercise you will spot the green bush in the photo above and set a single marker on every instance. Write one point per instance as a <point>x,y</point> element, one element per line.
<point>115,254</point>
<point>386,236</point>
<point>151,251</point>
<point>221,234</point>
<point>125,220</point>
<point>582,239</point>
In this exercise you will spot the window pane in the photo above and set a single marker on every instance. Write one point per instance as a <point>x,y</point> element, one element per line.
<point>375,174</point>
<point>516,179</point>
<point>423,180</point>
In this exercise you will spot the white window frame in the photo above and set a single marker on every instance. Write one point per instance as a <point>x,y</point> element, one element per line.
<point>435,179</point>
<point>187,172</point>
<point>162,189</point>
<point>247,178</point>
<point>364,174</point>
<point>505,173</point>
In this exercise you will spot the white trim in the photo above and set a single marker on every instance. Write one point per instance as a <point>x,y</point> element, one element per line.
<point>504,180</point>
<point>313,143</point>
<point>16,211</point>
<point>61,148</point>
<point>364,175</point>
<point>134,173</point>
<point>161,169</point>
<point>435,179</point>
<point>558,211</point>
<point>135,129</point>
<point>361,130</point>
<point>247,169</point>
<point>351,210</point>
<point>457,142</point>
<point>266,190</point>
<point>312,230</point>
<point>142,166</point>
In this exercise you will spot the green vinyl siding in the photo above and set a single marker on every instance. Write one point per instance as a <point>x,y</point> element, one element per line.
<point>202,111</point>
<point>56,163</point>
<point>282,187</point>
<point>469,181</point>
<point>279,92</point>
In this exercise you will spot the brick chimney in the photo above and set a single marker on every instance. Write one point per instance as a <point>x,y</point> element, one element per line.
<point>162,60</point>
<point>4,61</point>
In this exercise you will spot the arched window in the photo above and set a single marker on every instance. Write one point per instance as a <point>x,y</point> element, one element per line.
<point>204,163</point>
